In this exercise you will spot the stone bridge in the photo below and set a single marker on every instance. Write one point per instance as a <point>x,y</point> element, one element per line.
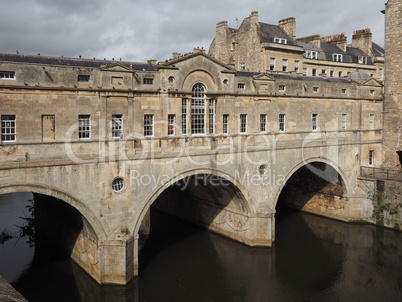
<point>100,143</point>
<point>230,185</point>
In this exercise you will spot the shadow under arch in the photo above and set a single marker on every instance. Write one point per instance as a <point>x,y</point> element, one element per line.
<point>249,209</point>
<point>315,185</point>
<point>63,196</point>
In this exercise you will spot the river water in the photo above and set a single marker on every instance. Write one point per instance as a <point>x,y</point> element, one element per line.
<point>313,259</point>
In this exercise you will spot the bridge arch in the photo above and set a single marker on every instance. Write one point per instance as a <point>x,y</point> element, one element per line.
<point>314,166</point>
<point>245,196</point>
<point>61,195</point>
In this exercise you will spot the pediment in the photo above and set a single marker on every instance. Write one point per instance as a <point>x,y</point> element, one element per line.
<point>195,59</point>
<point>263,77</point>
<point>116,67</point>
<point>372,82</point>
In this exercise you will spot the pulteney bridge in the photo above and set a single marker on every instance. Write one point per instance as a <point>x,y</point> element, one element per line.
<point>184,137</point>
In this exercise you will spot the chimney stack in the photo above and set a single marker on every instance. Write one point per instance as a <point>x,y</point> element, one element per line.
<point>363,39</point>
<point>339,40</point>
<point>289,27</point>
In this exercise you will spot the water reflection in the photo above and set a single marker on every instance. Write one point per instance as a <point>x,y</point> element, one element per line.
<point>313,259</point>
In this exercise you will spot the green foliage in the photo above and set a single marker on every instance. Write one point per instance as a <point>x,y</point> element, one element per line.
<point>125,230</point>
<point>390,203</point>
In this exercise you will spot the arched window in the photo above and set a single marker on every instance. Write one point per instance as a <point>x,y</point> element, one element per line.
<point>198,109</point>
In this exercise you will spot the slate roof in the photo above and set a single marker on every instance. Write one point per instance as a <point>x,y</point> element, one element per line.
<point>281,76</point>
<point>331,49</point>
<point>311,46</point>
<point>269,32</point>
<point>355,53</point>
<point>65,61</point>
<point>378,50</point>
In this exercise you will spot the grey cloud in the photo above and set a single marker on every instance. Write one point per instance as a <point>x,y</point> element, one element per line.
<point>139,29</point>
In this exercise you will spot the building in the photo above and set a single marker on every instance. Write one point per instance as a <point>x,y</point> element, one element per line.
<point>42,97</point>
<point>393,86</point>
<point>257,46</point>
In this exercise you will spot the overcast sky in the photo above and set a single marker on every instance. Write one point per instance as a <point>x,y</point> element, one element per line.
<point>138,30</point>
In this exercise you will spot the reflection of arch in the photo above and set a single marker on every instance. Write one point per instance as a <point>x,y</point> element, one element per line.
<point>345,185</point>
<point>199,76</point>
<point>53,192</point>
<point>192,172</point>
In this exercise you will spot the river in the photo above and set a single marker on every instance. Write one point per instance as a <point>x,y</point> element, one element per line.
<point>313,259</point>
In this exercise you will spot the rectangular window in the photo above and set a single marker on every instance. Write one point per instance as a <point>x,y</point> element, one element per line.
<point>148,125</point>
<point>243,123</point>
<point>323,72</point>
<point>332,73</point>
<point>84,126</point>
<point>241,86</point>
<point>314,72</point>
<point>311,54</point>
<point>171,124</point>
<point>242,66</point>
<point>372,92</point>
<point>263,122</point>
<point>281,123</point>
<point>371,157</point>
<point>225,124</point>
<point>305,72</point>
<point>117,126</point>
<point>148,81</point>
<point>381,74</point>
<point>8,128</point>
<point>343,121</point>
<point>198,115</point>
<point>272,64</point>
<point>83,78</point>
<point>297,66</point>
<point>314,119</point>
<point>362,60</point>
<point>337,57</point>
<point>280,40</point>
<point>7,75</point>
<point>233,45</point>
<point>371,121</point>
<point>184,116</point>
<point>211,111</point>
<point>340,74</point>
<point>343,91</point>
<point>285,65</point>
<point>315,89</point>
<point>281,87</point>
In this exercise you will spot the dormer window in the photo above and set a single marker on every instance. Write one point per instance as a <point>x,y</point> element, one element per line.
<point>280,41</point>
<point>337,57</point>
<point>83,78</point>
<point>362,60</point>
<point>310,54</point>
<point>241,86</point>
<point>7,75</point>
<point>148,81</point>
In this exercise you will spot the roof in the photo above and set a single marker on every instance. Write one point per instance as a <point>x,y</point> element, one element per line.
<point>269,32</point>
<point>355,53</point>
<point>378,50</point>
<point>359,75</point>
<point>65,61</point>
<point>281,76</point>
<point>331,49</point>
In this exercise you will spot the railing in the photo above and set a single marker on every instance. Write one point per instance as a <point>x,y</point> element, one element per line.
<point>379,173</point>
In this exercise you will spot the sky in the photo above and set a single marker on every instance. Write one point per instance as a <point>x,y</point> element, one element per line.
<point>138,30</point>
